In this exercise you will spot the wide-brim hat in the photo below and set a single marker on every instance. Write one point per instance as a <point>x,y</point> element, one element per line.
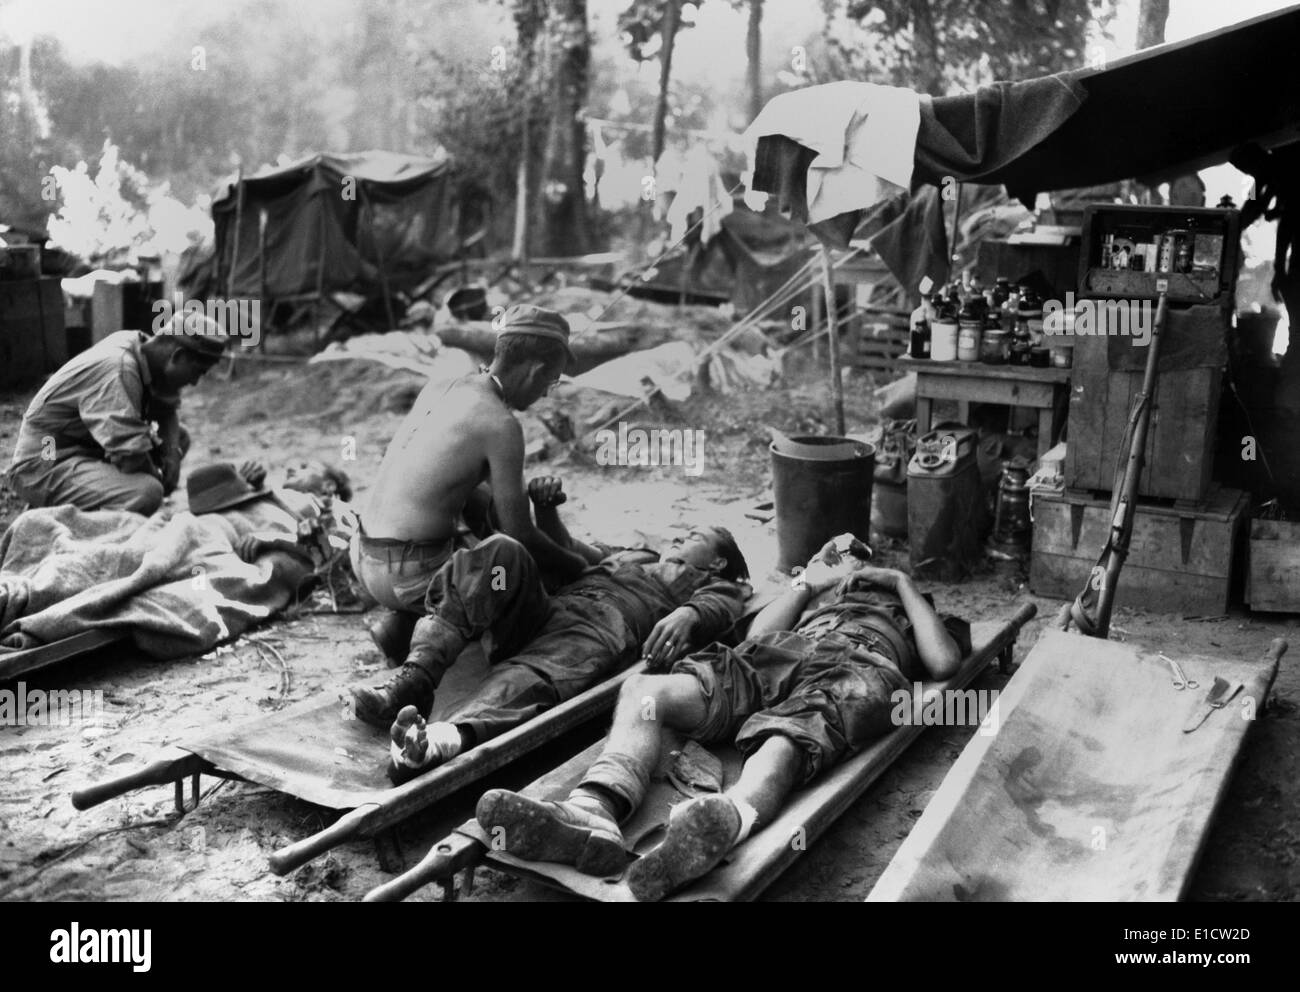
<point>538,322</point>
<point>219,487</point>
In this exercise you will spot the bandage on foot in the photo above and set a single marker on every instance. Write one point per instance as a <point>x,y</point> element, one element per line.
<point>417,745</point>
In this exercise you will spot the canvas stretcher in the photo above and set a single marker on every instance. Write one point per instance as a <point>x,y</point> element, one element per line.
<point>1093,788</point>
<point>754,864</point>
<point>313,752</point>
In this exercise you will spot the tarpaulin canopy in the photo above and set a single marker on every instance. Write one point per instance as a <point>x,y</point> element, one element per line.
<point>1164,111</point>
<point>330,223</point>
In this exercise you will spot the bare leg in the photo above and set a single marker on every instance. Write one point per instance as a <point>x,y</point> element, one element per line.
<point>768,777</point>
<point>583,830</point>
<point>647,704</point>
<point>702,830</point>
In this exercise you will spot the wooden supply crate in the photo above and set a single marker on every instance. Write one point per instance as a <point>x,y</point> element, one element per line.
<point>1273,575</point>
<point>1144,224</point>
<point>1179,561</point>
<point>1180,447</point>
<point>878,340</point>
<point>32,340</point>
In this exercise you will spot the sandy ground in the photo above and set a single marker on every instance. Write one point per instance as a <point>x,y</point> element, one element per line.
<point>137,848</point>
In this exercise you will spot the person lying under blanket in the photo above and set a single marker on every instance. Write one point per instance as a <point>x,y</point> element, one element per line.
<point>813,680</point>
<point>179,585</point>
<point>544,649</point>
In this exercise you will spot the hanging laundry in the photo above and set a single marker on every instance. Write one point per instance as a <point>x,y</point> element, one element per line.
<point>863,136</point>
<point>700,195</point>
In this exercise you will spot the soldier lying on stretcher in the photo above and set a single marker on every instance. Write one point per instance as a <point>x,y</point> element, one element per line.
<point>546,649</point>
<point>814,679</point>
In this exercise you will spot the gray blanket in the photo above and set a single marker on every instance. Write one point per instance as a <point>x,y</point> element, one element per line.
<point>175,584</point>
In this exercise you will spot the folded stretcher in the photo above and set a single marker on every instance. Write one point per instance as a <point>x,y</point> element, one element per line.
<point>1101,783</point>
<point>753,865</point>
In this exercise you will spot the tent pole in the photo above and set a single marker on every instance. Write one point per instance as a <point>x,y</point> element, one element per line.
<point>952,240</point>
<point>833,343</point>
<point>320,283</point>
<point>239,219</point>
<point>261,262</point>
<point>379,257</point>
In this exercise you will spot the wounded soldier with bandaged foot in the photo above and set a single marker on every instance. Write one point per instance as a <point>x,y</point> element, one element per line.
<point>814,679</point>
<point>544,649</point>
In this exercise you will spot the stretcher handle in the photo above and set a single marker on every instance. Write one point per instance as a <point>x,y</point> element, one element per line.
<point>163,772</point>
<point>343,829</point>
<point>453,853</point>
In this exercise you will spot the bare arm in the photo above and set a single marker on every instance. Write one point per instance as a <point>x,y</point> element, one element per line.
<point>505,451</point>
<point>939,652</point>
<point>824,571</point>
<point>169,431</point>
<point>783,612</point>
<point>547,493</point>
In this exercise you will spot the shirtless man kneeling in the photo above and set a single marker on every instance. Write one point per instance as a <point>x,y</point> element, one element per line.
<point>456,437</point>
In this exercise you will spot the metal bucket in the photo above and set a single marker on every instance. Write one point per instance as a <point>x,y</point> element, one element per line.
<point>821,487</point>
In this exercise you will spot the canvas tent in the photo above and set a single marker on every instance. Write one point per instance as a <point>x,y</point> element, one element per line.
<point>371,222</point>
<point>745,261</point>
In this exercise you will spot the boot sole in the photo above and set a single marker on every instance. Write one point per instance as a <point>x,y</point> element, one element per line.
<point>697,841</point>
<point>530,831</point>
<point>365,711</point>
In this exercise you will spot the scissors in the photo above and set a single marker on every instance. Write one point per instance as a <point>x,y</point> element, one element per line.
<point>1181,681</point>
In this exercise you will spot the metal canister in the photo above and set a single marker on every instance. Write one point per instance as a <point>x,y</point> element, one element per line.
<point>1012,525</point>
<point>1172,244</point>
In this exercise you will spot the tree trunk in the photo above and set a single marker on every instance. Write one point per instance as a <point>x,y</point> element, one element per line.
<point>672,15</point>
<point>564,196</point>
<point>754,56</point>
<point>1152,15</point>
<point>929,70</point>
<point>530,16</point>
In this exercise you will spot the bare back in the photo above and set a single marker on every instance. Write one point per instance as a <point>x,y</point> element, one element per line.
<point>437,457</point>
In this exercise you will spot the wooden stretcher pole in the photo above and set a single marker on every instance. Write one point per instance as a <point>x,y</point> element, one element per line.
<point>344,829</point>
<point>833,340</point>
<point>1092,608</point>
<point>162,772</point>
<point>455,852</point>
<point>470,767</point>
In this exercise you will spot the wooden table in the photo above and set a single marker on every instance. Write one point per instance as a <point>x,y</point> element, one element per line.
<point>975,382</point>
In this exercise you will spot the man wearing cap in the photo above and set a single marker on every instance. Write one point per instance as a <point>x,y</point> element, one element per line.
<point>104,432</point>
<point>457,437</point>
